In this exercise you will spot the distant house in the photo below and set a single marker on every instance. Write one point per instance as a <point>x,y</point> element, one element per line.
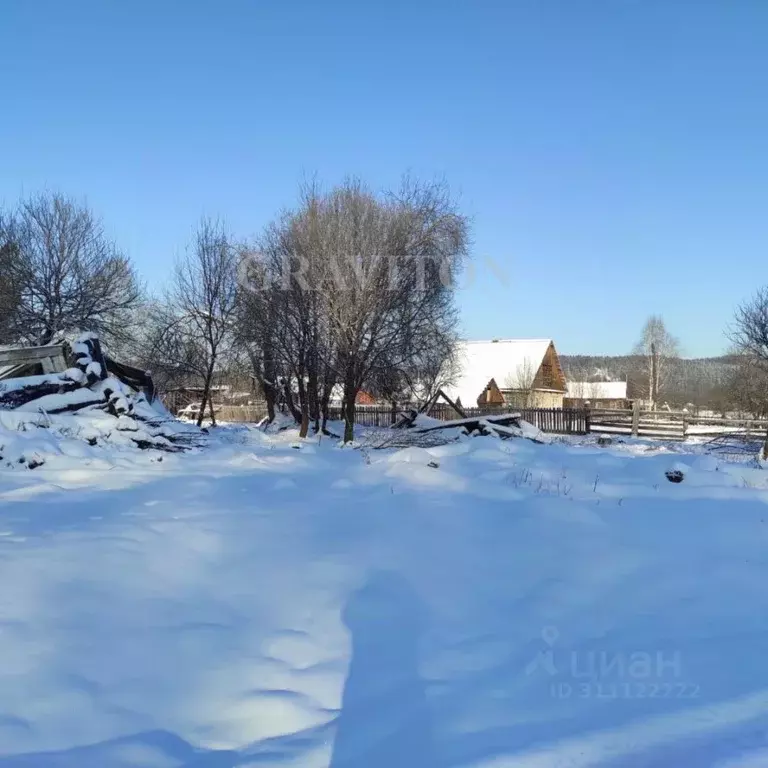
<point>598,394</point>
<point>363,397</point>
<point>514,372</point>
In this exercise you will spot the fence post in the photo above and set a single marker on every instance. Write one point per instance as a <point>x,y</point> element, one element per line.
<point>636,418</point>
<point>587,420</point>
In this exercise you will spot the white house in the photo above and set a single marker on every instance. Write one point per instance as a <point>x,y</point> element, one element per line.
<point>518,372</point>
<point>605,394</point>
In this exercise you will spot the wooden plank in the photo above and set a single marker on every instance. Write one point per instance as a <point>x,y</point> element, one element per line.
<point>726,422</point>
<point>646,431</point>
<point>473,423</point>
<point>450,402</point>
<point>54,364</point>
<point>33,355</point>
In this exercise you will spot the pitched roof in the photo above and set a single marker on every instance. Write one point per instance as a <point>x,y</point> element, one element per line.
<point>597,390</point>
<point>507,361</point>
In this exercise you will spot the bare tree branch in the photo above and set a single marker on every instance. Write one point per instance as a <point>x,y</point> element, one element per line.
<point>656,347</point>
<point>69,275</point>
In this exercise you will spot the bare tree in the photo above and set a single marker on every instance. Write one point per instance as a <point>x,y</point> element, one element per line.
<point>361,293</point>
<point>282,320</point>
<point>521,381</point>
<point>433,368</point>
<point>256,327</point>
<point>71,276</point>
<point>9,289</point>
<point>749,332</point>
<point>747,390</point>
<point>656,347</point>
<point>194,324</point>
<point>401,254</point>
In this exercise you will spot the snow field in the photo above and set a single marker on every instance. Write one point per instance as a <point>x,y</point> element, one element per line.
<point>483,603</point>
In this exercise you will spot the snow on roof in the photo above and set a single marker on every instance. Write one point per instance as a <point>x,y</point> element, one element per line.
<point>508,361</point>
<point>597,390</point>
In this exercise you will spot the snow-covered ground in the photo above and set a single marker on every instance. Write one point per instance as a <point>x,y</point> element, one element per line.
<point>486,603</point>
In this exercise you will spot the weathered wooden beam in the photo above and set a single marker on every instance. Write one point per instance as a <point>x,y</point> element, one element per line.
<point>450,402</point>
<point>54,354</point>
<point>474,423</point>
<point>25,394</point>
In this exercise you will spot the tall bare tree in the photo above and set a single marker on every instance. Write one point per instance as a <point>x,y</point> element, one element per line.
<point>195,323</point>
<point>70,275</point>
<point>256,326</point>
<point>402,253</point>
<point>9,289</point>
<point>361,287</point>
<point>657,346</point>
<point>749,335</point>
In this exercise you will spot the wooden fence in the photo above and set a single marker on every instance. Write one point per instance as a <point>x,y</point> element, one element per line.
<point>659,425</point>
<point>368,415</point>
<point>240,413</point>
<point>667,425</point>
<point>566,421</point>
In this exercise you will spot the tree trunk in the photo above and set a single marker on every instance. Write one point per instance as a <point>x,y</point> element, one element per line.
<point>325,399</point>
<point>304,406</point>
<point>206,393</point>
<point>314,400</point>
<point>348,408</point>
<point>47,336</point>
<point>267,377</point>
<point>213,413</point>
<point>203,406</point>
<point>289,402</point>
<point>270,392</point>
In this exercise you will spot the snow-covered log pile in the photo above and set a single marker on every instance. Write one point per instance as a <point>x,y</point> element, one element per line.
<point>87,403</point>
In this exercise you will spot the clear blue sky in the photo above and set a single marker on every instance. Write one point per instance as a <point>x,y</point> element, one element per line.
<point>612,153</point>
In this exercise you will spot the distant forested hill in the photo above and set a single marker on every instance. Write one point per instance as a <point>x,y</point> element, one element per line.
<point>701,381</point>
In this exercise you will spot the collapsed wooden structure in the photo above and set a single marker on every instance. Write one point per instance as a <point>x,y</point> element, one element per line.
<point>503,425</point>
<point>74,378</point>
<point>29,361</point>
<point>40,371</point>
<point>409,417</point>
